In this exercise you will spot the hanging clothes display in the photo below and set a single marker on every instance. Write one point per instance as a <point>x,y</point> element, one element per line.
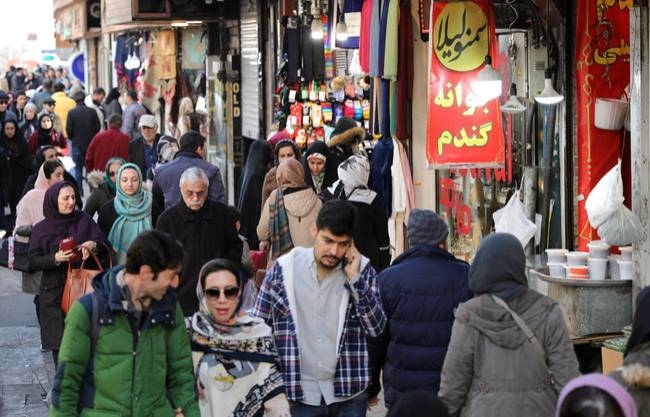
<point>165,54</point>
<point>404,72</point>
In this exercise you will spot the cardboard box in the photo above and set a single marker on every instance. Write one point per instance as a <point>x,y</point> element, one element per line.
<point>612,359</point>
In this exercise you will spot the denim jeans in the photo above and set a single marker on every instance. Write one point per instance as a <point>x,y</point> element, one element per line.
<point>356,407</point>
<point>79,158</point>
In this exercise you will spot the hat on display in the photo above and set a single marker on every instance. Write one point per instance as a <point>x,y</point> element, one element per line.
<point>426,228</point>
<point>147,120</point>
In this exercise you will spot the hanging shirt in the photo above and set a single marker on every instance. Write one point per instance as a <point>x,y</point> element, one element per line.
<point>374,38</point>
<point>390,53</point>
<point>364,37</point>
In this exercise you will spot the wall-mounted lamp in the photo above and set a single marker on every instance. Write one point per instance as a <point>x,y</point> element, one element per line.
<point>341,27</point>
<point>317,22</point>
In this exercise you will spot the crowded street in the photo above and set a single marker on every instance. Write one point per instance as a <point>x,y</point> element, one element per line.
<point>325,208</point>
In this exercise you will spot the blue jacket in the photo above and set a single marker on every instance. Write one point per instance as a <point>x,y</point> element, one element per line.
<point>165,180</point>
<point>419,293</point>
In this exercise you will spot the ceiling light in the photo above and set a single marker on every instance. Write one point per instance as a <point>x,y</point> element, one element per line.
<point>341,31</point>
<point>317,28</point>
<point>488,84</point>
<point>179,24</point>
<point>513,105</point>
<point>549,95</point>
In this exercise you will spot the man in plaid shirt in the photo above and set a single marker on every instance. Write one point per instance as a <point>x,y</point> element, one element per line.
<point>321,303</point>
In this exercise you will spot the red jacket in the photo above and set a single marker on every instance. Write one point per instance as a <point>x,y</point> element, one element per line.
<point>105,145</point>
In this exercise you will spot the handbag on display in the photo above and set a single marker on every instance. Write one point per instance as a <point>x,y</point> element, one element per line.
<point>79,281</point>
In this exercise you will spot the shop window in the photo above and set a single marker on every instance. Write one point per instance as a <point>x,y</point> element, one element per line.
<point>151,9</point>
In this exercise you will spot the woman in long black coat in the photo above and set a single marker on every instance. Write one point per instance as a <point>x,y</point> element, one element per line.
<point>250,197</point>
<point>17,162</point>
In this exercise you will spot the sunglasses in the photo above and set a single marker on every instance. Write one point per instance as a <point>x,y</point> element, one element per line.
<point>112,173</point>
<point>3,102</point>
<point>230,293</point>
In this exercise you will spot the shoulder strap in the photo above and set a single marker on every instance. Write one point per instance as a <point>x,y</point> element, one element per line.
<point>94,320</point>
<point>524,327</point>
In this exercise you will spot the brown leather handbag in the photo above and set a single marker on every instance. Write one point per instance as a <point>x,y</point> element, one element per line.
<point>79,281</point>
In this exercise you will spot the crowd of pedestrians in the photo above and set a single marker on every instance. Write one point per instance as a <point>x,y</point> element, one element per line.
<point>288,304</point>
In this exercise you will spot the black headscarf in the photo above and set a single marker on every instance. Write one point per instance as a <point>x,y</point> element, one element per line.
<point>330,164</point>
<point>499,267</point>
<point>47,234</point>
<point>250,197</point>
<point>16,146</point>
<point>44,135</point>
<point>641,324</point>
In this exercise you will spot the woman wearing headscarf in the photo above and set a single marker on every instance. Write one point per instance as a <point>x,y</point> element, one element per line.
<point>320,168</point>
<point>634,375</point>
<point>45,135</point>
<point>510,353</point>
<point>29,124</point>
<point>234,354</point>
<point>18,162</point>
<point>595,395</point>
<point>250,196</point>
<point>105,191</point>
<point>371,232</point>
<point>30,212</point>
<point>129,214</point>
<point>284,149</point>
<point>289,212</point>
<point>185,109</point>
<point>62,220</point>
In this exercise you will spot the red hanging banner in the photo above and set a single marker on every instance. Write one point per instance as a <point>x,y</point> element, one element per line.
<point>461,131</point>
<point>602,71</point>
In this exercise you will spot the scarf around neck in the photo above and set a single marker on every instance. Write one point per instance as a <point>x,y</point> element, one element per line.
<point>133,214</point>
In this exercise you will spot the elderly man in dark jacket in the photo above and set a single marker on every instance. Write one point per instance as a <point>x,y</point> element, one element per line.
<point>205,228</point>
<point>419,293</point>
<point>166,191</point>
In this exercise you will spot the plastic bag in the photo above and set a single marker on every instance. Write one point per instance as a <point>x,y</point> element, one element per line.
<point>606,197</point>
<point>512,219</point>
<point>621,228</point>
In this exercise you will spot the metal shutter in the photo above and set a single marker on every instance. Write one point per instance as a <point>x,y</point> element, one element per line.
<point>251,104</point>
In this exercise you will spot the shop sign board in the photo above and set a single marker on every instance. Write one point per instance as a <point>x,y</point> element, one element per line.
<point>461,131</point>
<point>602,71</point>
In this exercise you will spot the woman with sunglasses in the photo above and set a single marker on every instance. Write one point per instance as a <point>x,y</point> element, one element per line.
<point>105,189</point>
<point>233,353</point>
<point>129,213</point>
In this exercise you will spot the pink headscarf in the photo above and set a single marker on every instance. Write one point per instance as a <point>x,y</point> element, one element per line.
<point>30,208</point>
<point>605,383</point>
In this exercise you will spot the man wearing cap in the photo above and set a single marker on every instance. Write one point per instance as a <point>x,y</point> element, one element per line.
<point>5,113</point>
<point>132,114</point>
<point>142,150</point>
<point>81,126</point>
<point>419,293</point>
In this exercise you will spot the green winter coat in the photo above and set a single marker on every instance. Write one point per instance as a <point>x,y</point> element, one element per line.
<point>131,373</point>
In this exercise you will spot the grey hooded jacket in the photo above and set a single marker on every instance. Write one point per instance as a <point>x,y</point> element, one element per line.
<point>492,370</point>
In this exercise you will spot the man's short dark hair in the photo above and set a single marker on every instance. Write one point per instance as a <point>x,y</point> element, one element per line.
<point>59,87</point>
<point>132,94</point>
<point>337,216</point>
<point>47,84</point>
<point>21,93</point>
<point>191,141</point>
<point>115,120</point>
<point>99,90</point>
<point>154,248</point>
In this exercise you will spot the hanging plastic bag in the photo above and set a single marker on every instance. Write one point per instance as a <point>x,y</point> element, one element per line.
<point>621,228</point>
<point>512,219</point>
<point>606,197</point>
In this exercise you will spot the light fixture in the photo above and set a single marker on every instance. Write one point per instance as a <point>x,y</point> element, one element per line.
<point>341,31</point>
<point>488,84</point>
<point>179,24</point>
<point>548,95</point>
<point>513,105</point>
<point>341,27</point>
<point>317,22</point>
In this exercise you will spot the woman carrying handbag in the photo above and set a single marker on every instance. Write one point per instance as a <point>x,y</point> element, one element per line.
<point>65,223</point>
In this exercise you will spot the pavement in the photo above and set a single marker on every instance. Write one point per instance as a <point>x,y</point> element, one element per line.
<point>25,372</point>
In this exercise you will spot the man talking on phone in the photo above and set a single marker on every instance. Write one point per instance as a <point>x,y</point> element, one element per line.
<point>321,303</point>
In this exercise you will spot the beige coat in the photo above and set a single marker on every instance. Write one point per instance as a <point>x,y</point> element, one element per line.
<point>491,370</point>
<point>302,209</point>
